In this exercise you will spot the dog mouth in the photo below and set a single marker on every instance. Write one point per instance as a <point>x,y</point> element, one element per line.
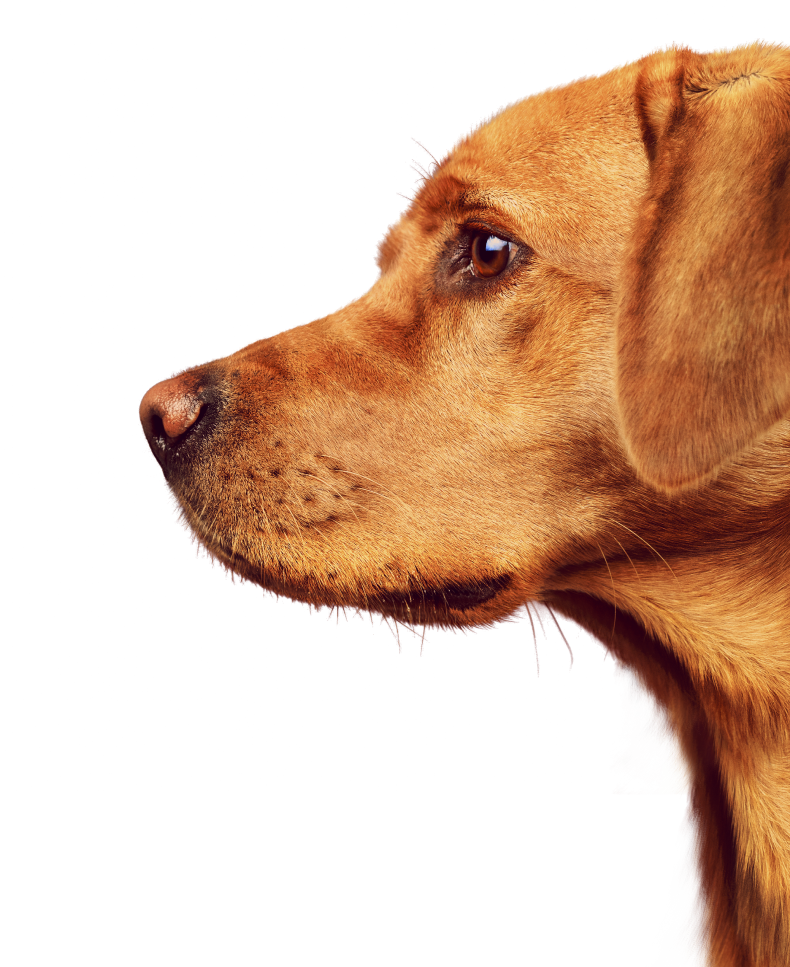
<point>450,605</point>
<point>453,596</point>
<point>446,606</point>
<point>418,604</point>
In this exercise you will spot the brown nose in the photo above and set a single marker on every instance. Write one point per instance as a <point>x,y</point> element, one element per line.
<point>170,413</point>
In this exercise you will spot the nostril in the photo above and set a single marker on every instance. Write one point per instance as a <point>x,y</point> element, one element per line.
<point>157,427</point>
<point>171,413</point>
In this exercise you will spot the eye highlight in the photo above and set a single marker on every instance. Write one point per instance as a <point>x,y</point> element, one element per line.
<point>490,255</point>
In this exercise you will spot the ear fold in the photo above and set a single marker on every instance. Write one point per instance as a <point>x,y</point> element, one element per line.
<point>703,326</point>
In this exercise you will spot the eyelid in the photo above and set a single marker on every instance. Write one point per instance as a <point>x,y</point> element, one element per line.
<point>475,226</point>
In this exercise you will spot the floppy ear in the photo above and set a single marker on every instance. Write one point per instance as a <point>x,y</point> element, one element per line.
<point>703,324</point>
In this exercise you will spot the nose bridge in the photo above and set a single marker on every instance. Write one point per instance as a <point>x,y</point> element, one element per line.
<point>280,350</point>
<point>339,330</point>
<point>366,336</point>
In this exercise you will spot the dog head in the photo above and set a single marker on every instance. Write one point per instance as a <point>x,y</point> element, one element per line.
<point>584,310</point>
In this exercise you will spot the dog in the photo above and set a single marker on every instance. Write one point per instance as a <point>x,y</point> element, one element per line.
<point>569,385</point>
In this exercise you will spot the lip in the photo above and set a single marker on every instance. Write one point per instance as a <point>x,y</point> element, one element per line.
<point>417,604</point>
<point>442,607</point>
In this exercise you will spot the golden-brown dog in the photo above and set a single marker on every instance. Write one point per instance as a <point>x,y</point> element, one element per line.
<point>569,385</point>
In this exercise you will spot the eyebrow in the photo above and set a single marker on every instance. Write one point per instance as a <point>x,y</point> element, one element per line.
<point>447,196</point>
<point>442,198</point>
<point>459,199</point>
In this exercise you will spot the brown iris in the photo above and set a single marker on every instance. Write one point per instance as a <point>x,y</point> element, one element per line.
<point>490,255</point>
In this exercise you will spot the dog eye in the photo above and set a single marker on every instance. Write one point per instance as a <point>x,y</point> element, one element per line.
<point>490,255</point>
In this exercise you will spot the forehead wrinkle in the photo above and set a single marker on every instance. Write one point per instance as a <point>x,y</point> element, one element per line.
<point>437,200</point>
<point>449,198</point>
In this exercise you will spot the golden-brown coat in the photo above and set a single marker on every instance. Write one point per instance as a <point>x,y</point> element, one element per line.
<point>600,425</point>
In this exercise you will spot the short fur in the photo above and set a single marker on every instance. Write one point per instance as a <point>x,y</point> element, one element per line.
<point>602,427</point>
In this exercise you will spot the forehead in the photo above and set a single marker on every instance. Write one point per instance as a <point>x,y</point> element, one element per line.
<point>565,169</point>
